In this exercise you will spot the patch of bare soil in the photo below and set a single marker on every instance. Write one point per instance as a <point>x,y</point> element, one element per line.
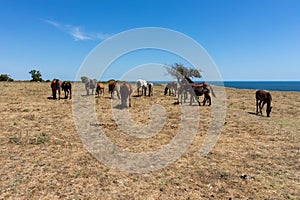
<point>43,157</point>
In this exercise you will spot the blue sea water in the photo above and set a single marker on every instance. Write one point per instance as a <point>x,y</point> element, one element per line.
<point>255,85</point>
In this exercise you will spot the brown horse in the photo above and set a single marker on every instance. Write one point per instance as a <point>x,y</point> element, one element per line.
<point>196,90</point>
<point>55,85</point>
<point>126,91</point>
<point>172,87</point>
<point>113,87</point>
<point>263,97</point>
<point>67,88</point>
<point>100,89</point>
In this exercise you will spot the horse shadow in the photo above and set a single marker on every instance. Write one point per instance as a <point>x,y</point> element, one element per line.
<point>51,98</point>
<point>120,107</point>
<point>254,113</point>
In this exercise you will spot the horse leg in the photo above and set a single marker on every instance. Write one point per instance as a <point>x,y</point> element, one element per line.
<point>58,93</point>
<point>197,99</point>
<point>118,94</point>
<point>129,99</point>
<point>262,107</point>
<point>112,94</point>
<point>204,100</point>
<point>54,93</point>
<point>257,106</point>
<point>209,100</point>
<point>191,100</point>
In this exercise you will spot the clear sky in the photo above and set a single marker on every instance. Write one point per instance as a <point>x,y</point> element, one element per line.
<point>247,39</point>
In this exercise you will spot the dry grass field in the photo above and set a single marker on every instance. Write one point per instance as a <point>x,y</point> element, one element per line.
<point>43,157</point>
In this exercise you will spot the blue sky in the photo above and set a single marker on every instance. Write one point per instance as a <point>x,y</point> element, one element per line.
<point>246,39</point>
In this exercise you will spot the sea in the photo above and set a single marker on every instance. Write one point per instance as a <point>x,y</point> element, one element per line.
<point>256,85</point>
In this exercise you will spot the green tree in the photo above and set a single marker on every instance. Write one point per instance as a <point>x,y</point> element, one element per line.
<point>179,71</point>
<point>5,77</point>
<point>36,75</point>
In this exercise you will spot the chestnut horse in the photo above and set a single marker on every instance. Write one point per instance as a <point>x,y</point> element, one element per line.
<point>67,88</point>
<point>113,86</point>
<point>126,91</point>
<point>100,89</point>
<point>263,97</point>
<point>55,85</point>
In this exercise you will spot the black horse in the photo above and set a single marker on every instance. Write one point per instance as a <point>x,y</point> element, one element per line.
<point>67,88</point>
<point>263,97</point>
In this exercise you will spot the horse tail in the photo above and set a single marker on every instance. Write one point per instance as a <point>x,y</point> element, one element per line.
<point>269,97</point>
<point>166,90</point>
<point>212,91</point>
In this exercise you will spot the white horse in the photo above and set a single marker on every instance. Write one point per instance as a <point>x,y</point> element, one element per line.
<point>140,83</point>
<point>90,84</point>
<point>150,89</point>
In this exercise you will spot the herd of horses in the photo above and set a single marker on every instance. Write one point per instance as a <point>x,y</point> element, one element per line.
<point>184,88</point>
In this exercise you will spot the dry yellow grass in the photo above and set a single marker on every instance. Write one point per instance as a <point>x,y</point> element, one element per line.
<point>42,156</point>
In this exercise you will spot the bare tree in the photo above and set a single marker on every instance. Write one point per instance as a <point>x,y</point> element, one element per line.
<point>179,71</point>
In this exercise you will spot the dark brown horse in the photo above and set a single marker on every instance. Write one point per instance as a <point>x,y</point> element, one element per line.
<point>55,86</point>
<point>202,89</point>
<point>195,91</point>
<point>100,89</point>
<point>263,97</point>
<point>67,88</point>
<point>113,87</point>
<point>126,91</point>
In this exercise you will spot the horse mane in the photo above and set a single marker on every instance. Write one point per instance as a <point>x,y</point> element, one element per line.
<point>188,79</point>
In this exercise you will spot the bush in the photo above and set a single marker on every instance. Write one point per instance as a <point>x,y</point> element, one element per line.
<point>5,77</point>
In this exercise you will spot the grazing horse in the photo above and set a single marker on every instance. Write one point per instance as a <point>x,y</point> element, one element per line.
<point>202,89</point>
<point>126,91</point>
<point>113,86</point>
<point>172,87</point>
<point>141,84</point>
<point>100,89</point>
<point>150,89</point>
<point>67,88</point>
<point>90,84</point>
<point>55,85</point>
<point>263,97</point>
<point>196,90</point>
